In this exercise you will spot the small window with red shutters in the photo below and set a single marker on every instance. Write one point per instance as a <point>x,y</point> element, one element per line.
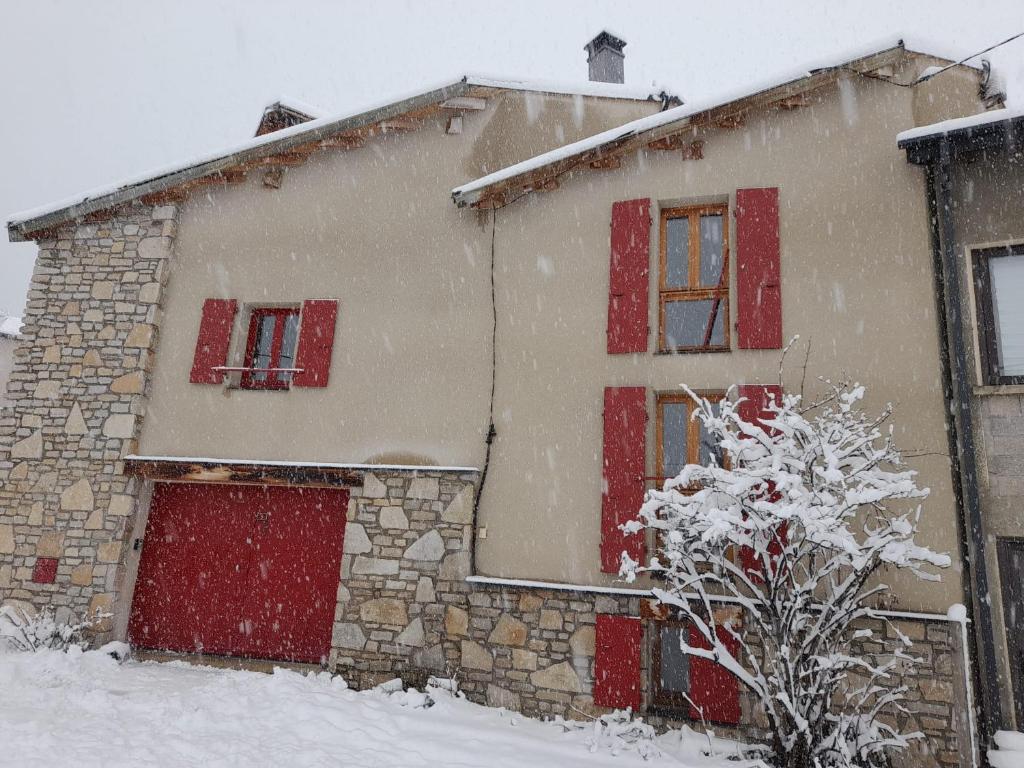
<point>693,284</point>
<point>270,349</point>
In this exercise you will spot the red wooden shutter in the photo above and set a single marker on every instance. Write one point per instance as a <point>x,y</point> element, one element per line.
<point>759,292</point>
<point>714,691</point>
<point>316,342</point>
<point>753,409</point>
<point>625,432</point>
<point>213,341</point>
<point>617,661</point>
<point>630,268</point>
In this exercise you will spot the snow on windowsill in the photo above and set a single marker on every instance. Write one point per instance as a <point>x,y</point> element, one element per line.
<point>322,464</point>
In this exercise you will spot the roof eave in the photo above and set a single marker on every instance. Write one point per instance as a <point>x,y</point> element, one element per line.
<point>21,231</point>
<point>921,150</point>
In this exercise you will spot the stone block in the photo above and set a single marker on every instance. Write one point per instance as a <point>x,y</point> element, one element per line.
<point>373,488</point>
<point>29,448</point>
<point>51,355</point>
<point>139,337</point>
<point>412,635</point>
<point>50,544</point>
<point>550,620</point>
<point>524,659</point>
<point>149,293</point>
<point>384,610</point>
<point>425,590</point>
<point>95,520</point>
<point>528,603</point>
<point>502,697</point>
<point>103,290</point>
<point>348,635</point>
<point>81,576</point>
<point>154,247</point>
<point>6,539</point>
<point>475,656</point>
<point>455,567</point>
<point>558,677</point>
<point>78,497</point>
<point>120,505</point>
<point>582,641</point>
<point>373,566</point>
<point>393,518</point>
<point>429,546</point>
<point>130,384</point>
<point>460,509</point>
<point>508,631</point>
<point>119,425</point>
<point>109,552</point>
<point>456,621</point>
<point>101,613</point>
<point>48,389</point>
<point>75,423</point>
<point>356,540</point>
<point>424,488</point>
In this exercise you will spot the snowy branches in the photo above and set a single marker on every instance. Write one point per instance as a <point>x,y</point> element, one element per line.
<point>791,523</point>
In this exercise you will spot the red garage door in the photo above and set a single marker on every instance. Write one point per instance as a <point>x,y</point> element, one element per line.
<point>240,571</point>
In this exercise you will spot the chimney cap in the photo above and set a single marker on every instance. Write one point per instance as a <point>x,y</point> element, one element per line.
<point>604,38</point>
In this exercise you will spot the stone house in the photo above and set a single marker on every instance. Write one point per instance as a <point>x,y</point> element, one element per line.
<point>974,173</point>
<point>390,434</point>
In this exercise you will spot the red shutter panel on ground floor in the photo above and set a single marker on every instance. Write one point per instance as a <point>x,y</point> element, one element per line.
<point>617,661</point>
<point>625,430</point>
<point>753,409</point>
<point>758,285</point>
<point>714,691</point>
<point>316,342</point>
<point>213,340</point>
<point>628,276</point>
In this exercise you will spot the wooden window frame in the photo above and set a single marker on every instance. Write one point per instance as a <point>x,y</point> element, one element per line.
<point>988,337</point>
<point>692,435</point>
<point>274,380</point>
<point>668,294</point>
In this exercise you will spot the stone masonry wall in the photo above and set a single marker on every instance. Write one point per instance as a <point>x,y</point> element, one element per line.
<point>406,610</point>
<point>78,395</point>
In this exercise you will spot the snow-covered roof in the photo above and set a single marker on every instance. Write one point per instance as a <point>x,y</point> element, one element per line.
<point>23,223</point>
<point>296,105</point>
<point>677,117</point>
<point>947,127</point>
<point>10,327</point>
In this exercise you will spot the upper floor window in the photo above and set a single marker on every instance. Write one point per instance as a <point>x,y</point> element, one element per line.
<point>270,350</point>
<point>999,286</point>
<point>693,284</point>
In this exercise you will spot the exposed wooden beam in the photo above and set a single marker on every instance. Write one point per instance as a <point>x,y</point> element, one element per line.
<point>668,143</point>
<point>343,141</point>
<point>469,103</point>
<point>187,471</point>
<point>608,161</point>
<point>399,125</point>
<point>796,101</point>
<point>730,121</point>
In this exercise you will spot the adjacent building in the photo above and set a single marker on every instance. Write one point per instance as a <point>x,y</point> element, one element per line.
<point>974,173</point>
<point>374,391</point>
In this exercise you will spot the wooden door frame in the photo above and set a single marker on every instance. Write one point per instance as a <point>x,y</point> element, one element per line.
<point>1014,643</point>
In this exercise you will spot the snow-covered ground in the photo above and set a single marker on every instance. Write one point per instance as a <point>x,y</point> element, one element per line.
<point>1009,752</point>
<point>86,709</point>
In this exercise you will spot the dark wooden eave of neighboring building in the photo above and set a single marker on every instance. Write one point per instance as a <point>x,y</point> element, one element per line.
<point>1007,134</point>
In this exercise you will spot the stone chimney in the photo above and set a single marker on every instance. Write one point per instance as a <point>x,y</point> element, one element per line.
<point>605,58</point>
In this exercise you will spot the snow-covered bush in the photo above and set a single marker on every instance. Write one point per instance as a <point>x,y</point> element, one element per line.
<point>791,524</point>
<point>23,630</point>
<point>619,731</point>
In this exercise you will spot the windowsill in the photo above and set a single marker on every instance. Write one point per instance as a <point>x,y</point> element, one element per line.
<point>988,390</point>
<point>710,350</point>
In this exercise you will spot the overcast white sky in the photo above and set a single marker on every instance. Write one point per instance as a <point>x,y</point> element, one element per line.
<point>101,90</point>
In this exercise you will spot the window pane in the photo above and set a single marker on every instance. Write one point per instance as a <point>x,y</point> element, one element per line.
<point>288,342</point>
<point>708,447</point>
<point>687,323</point>
<point>674,422</point>
<point>711,260</point>
<point>677,252</point>
<point>264,344</point>
<point>675,665</point>
<point>1008,309</point>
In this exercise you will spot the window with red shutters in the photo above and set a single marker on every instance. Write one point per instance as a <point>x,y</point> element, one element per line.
<point>617,644</point>
<point>624,458</point>
<point>629,276</point>
<point>213,341</point>
<point>758,269</point>
<point>270,348</point>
